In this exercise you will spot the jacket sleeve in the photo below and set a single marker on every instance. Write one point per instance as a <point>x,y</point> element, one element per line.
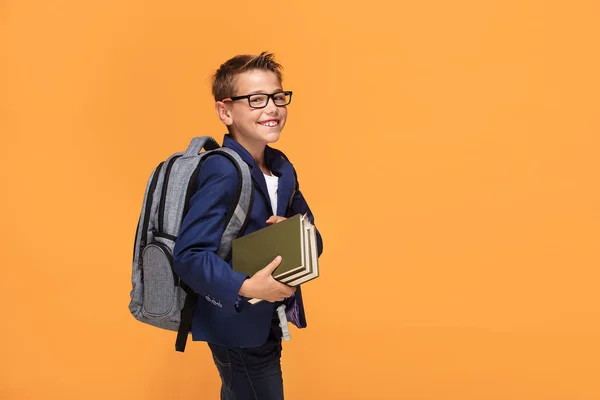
<point>195,258</point>
<point>300,206</point>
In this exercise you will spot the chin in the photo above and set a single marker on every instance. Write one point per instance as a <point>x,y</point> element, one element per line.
<point>271,137</point>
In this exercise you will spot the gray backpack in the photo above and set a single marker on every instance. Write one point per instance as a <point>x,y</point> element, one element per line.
<point>158,296</point>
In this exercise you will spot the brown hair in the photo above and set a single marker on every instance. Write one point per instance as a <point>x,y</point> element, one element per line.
<point>223,81</point>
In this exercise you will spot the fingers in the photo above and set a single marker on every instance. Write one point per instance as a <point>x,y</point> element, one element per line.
<point>286,291</point>
<point>281,291</point>
<point>273,265</point>
<point>276,290</point>
<point>275,219</point>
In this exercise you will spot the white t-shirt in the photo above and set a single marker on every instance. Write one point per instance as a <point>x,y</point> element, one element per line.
<point>272,185</point>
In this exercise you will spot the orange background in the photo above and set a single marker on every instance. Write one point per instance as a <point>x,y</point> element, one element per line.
<point>449,151</point>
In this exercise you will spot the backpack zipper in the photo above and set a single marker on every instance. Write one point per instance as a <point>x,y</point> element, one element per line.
<point>163,197</point>
<point>149,206</point>
<point>167,251</point>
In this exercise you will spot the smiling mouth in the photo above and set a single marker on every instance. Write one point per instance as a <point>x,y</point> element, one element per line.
<point>269,124</point>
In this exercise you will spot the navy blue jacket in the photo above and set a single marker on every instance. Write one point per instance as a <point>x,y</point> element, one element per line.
<point>220,317</point>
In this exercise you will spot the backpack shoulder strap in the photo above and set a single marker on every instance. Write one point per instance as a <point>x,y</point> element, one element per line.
<point>237,220</point>
<point>237,217</point>
<point>199,143</point>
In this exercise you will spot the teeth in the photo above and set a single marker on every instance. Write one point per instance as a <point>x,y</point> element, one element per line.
<point>270,123</point>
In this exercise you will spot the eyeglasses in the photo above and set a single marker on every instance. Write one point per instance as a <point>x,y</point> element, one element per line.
<point>261,100</point>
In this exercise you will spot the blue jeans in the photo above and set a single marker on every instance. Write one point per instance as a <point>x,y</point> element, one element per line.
<point>251,373</point>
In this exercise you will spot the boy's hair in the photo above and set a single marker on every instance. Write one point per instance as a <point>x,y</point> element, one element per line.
<point>223,81</point>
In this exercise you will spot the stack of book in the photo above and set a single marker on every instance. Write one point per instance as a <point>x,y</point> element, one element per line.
<point>294,239</point>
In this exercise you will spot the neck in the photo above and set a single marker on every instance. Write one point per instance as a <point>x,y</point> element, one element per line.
<point>257,151</point>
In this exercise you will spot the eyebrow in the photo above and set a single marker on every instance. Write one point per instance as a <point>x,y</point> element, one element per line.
<point>265,92</point>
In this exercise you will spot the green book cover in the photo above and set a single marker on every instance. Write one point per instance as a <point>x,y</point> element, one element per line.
<point>252,252</point>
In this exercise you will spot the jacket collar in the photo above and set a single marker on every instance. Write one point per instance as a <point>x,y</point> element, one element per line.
<point>278,164</point>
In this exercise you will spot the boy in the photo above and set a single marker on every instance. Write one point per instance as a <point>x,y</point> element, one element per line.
<point>245,340</point>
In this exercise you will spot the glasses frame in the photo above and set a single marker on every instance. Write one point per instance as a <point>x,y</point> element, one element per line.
<point>269,97</point>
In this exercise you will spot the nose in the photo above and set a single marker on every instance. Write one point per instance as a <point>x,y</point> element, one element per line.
<point>270,107</point>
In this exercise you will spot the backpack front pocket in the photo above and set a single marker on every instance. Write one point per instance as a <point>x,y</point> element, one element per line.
<point>159,280</point>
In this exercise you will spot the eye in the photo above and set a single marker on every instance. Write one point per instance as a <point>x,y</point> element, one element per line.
<point>257,99</point>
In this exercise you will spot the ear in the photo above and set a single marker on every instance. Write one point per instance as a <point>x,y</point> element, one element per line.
<point>224,113</point>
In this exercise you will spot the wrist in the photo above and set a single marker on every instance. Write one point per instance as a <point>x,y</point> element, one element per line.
<point>245,289</point>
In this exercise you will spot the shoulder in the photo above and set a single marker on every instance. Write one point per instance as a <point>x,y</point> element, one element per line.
<point>219,162</point>
<point>218,168</point>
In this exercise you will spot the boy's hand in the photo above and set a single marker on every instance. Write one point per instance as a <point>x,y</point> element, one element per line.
<point>275,219</point>
<point>263,286</point>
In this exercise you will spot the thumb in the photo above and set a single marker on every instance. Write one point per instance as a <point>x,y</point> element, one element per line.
<point>272,265</point>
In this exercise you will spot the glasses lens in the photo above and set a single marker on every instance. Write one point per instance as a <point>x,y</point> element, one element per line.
<point>281,99</point>
<point>258,100</point>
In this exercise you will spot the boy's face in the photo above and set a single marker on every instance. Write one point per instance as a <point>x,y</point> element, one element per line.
<point>254,125</point>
